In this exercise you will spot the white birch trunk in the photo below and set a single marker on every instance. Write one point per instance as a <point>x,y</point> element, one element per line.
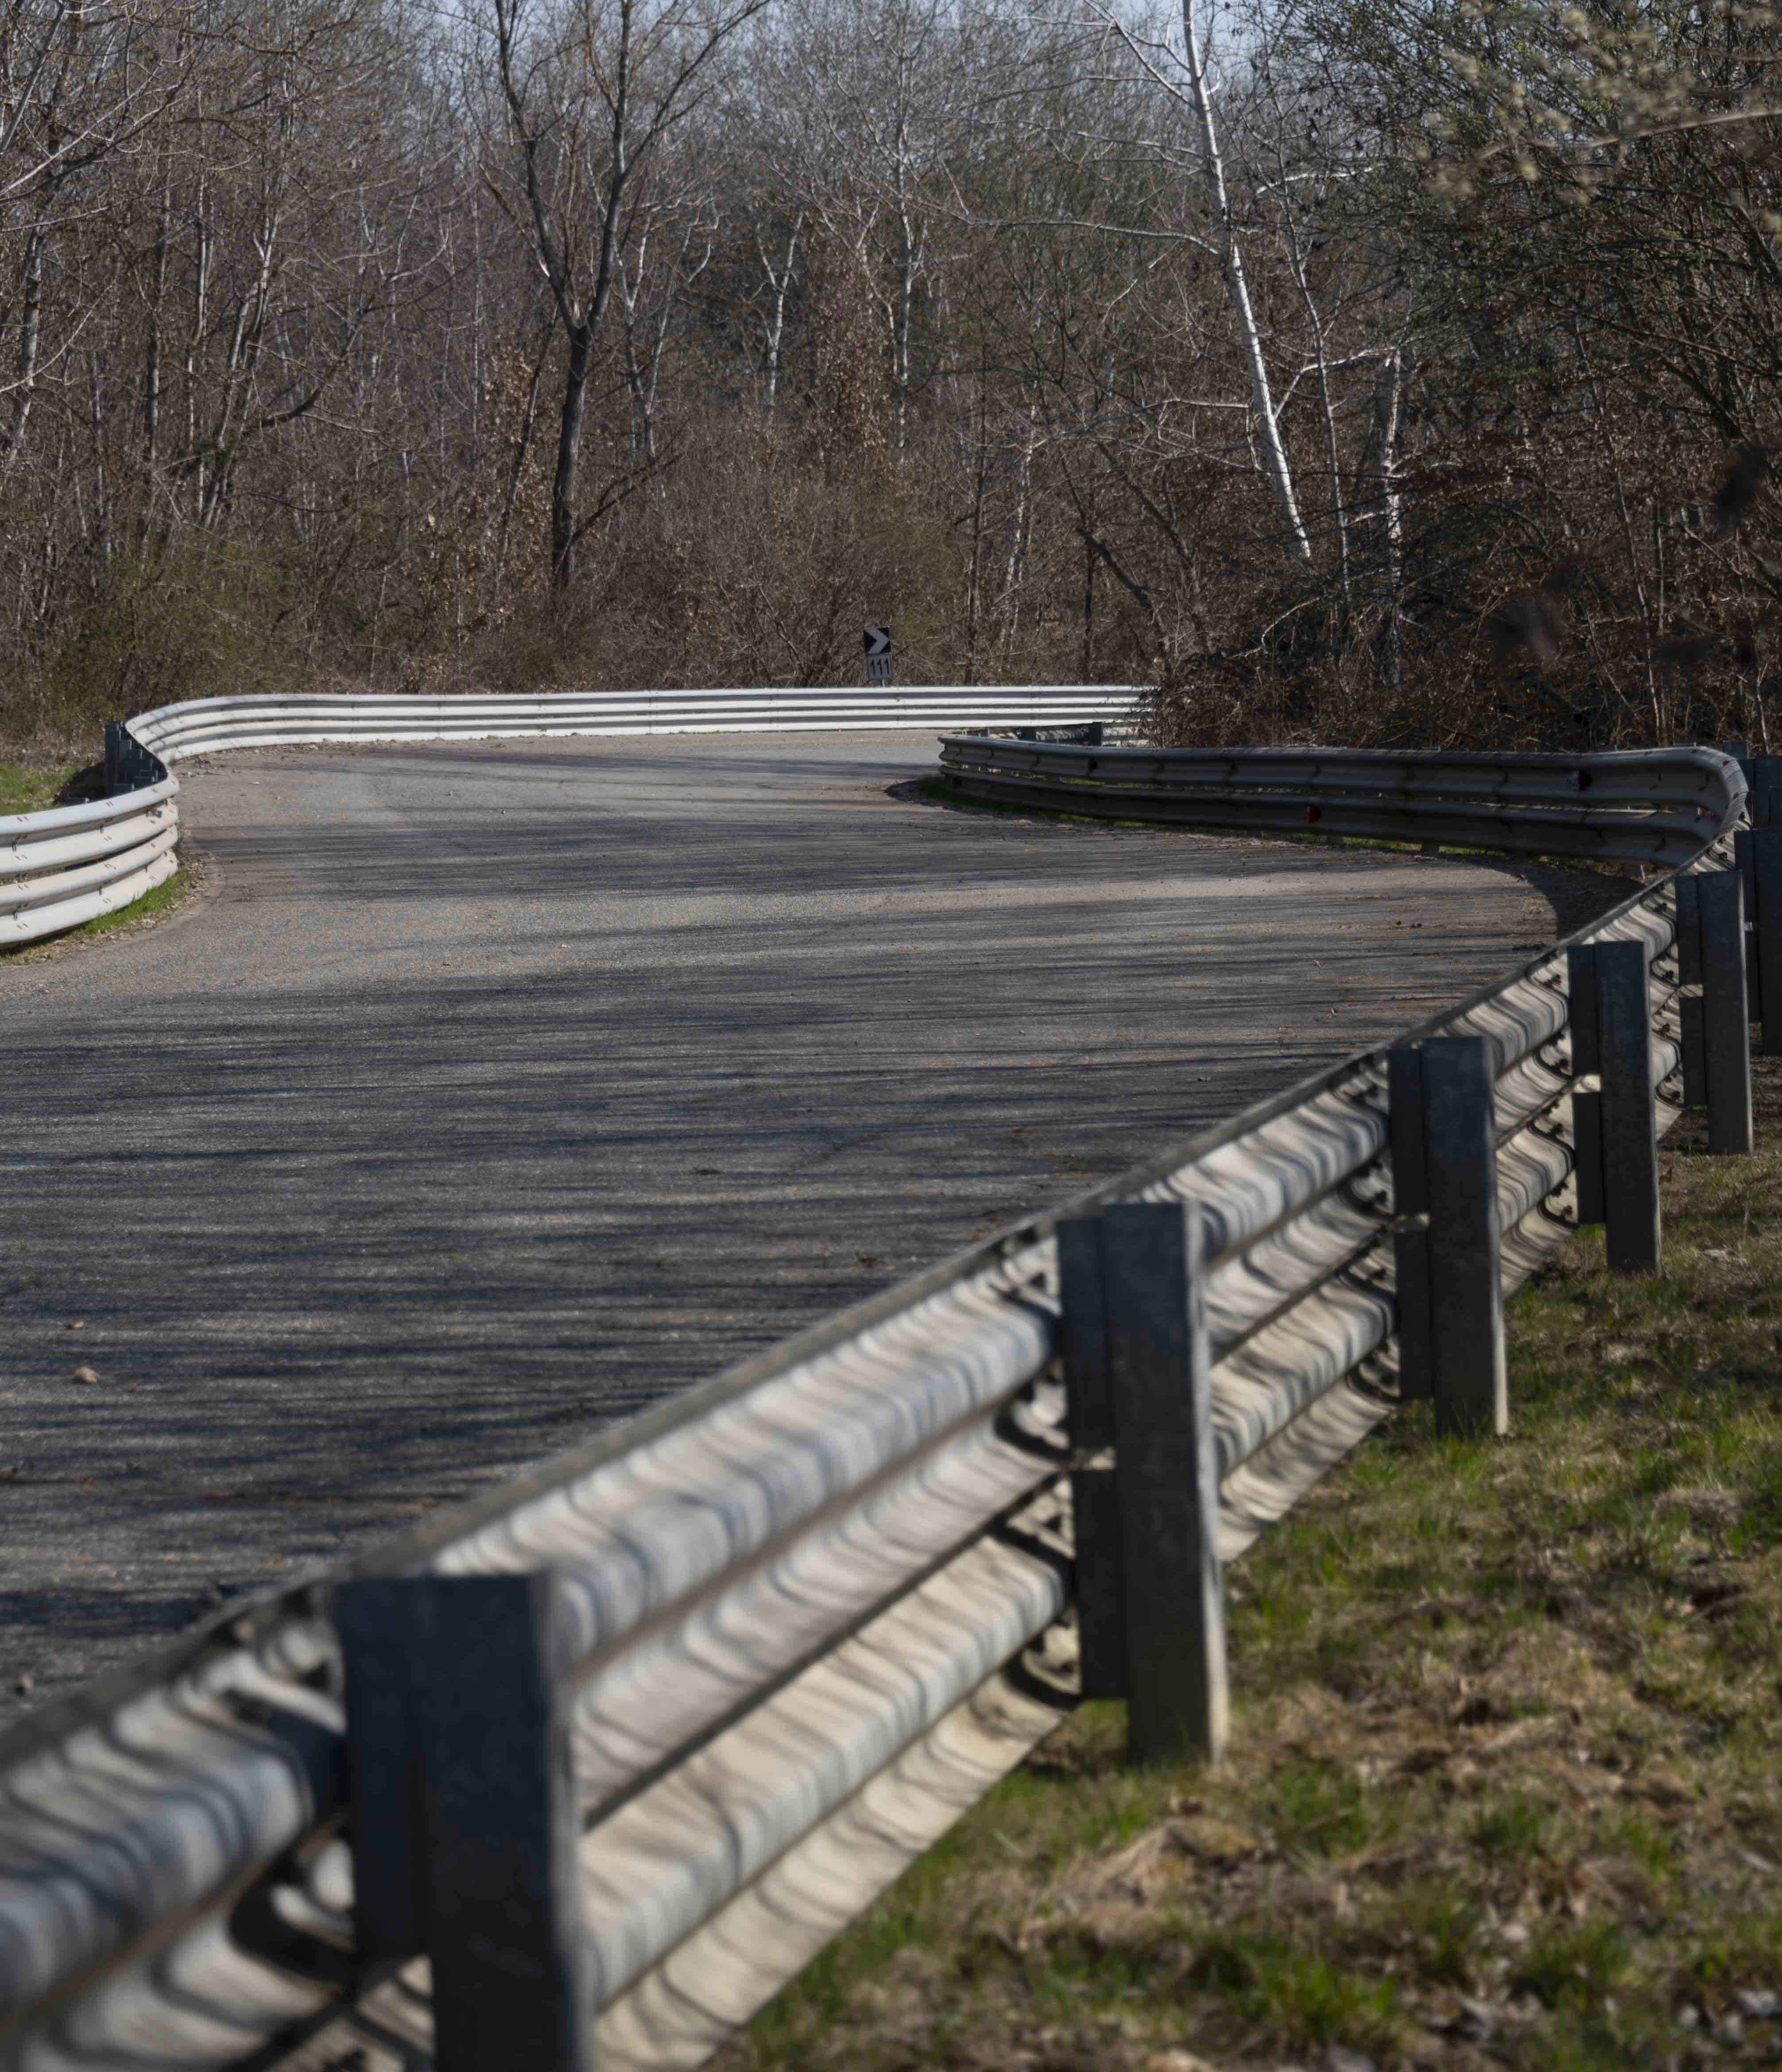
<point>1391,389</point>
<point>1275,454</point>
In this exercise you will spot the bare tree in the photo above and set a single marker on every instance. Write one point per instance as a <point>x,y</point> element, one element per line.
<point>79,81</point>
<point>775,239</point>
<point>586,94</point>
<point>675,227</point>
<point>78,84</point>
<point>1182,73</point>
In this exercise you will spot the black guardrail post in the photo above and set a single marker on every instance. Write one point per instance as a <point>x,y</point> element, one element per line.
<point>1095,1499</point>
<point>1744,851</point>
<point>1411,1239</point>
<point>1458,1134</point>
<point>1584,1021</point>
<point>1467,1309</point>
<point>115,737</point>
<point>1765,882</point>
<point>1630,1120</point>
<point>1692,1027</point>
<point>1614,1125</point>
<point>1726,1010</point>
<point>1135,1315</point>
<point>463,1813</point>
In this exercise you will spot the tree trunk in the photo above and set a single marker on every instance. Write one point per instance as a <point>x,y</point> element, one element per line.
<point>1386,403</point>
<point>1333,453</point>
<point>151,365</point>
<point>569,453</point>
<point>781,286</point>
<point>1086,662</point>
<point>30,321</point>
<point>1238,292</point>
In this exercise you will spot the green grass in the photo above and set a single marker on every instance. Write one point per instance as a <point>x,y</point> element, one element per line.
<point>162,900</point>
<point>24,788</point>
<point>1503,1783</point>
<point>1512,1828</point>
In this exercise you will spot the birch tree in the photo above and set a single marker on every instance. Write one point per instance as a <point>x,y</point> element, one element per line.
<point>1182,71</point>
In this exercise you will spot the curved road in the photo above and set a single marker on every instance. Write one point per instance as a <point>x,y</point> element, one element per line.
<point>506,1087</point>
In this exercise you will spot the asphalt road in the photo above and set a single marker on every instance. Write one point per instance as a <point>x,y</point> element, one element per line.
<point>504,1088</point>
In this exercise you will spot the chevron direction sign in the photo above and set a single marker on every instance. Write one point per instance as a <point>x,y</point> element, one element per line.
<point>879,655</point>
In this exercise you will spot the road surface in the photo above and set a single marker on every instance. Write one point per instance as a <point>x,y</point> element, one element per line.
<point>504,1088</point>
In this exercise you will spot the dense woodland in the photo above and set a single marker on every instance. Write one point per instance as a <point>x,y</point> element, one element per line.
<point>1386,370</point>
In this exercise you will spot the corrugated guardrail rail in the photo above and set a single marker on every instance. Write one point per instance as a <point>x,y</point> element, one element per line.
<point>1636,808</point>
<point>74,863</point>
<point>620,1747</point>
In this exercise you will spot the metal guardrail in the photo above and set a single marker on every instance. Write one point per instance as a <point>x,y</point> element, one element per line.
<point>797,1620</point>
<point>73,863</point>
<point>206,724</point>
<point>1645,806</point>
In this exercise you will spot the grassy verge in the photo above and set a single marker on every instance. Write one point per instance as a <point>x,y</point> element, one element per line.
<point>1505,1788</point>
<point>164,897</point>
<point>29,788</point>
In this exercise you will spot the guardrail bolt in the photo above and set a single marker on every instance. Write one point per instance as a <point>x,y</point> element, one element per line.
<point>464,1820</point>
<point>1151,1591</point>
<point>1616,1132</point>
<point>1726,1010</point>
<point>1445,1107</point>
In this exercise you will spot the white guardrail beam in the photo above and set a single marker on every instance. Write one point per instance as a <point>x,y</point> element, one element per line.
<point>73,863</point>
<point>811,1611</point>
